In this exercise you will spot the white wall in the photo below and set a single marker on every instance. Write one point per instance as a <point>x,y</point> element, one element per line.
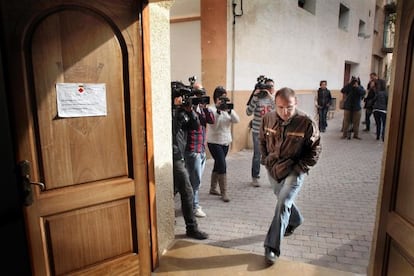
<point>296,48</point>
<point>185,41</point>
<point>185,51</point>
<point>161,121</point>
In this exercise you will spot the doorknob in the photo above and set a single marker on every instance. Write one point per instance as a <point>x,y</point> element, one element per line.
<point>27,184</point>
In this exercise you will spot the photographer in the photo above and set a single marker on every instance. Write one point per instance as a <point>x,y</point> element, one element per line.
<point>261,102</point>
<point>219,139</point>
<point>183,120</point>
<point>195,152</point>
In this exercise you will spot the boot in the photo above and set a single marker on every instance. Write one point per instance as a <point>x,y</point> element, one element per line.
<point>213,184</point>
<point>222,180</point>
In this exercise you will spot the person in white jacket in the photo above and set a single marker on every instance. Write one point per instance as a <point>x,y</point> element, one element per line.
<point>219,138</point>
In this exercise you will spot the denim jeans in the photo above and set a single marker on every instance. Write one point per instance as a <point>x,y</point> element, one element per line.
<point>322,112</point>
<point>368,113</point>
<point>183,186</point>
<point>256,156</point>
<point>380,119</point>
<point>219,153</point>
<point>195,163</point>
<point>286,212</point>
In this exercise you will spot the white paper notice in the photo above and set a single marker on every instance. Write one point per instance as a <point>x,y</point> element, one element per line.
<point>81,99</point>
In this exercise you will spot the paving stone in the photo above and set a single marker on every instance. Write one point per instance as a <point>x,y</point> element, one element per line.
<point>338,201</point>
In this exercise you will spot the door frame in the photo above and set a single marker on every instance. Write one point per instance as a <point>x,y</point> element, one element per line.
<point>149,133</point>
<point>402,62</point>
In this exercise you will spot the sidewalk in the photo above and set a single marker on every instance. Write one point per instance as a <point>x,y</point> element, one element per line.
<point>338,201</point>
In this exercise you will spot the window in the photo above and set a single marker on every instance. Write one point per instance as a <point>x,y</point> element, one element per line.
<point>376,19</point>
<point>390,10</point>
<point>343,17</point>
<point>309,5</point>
<point>361,29</point>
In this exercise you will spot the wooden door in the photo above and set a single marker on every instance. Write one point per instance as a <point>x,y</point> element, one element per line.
<point>92,217</point>
<point>394,254</point>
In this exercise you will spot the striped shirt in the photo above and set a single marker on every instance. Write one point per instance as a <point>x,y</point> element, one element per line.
<point>259,107</point>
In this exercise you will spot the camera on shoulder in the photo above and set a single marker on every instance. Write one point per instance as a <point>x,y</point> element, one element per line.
<point>191,95</point>
<point>262,86</point>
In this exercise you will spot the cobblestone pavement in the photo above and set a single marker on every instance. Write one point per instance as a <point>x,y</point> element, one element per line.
<point>338,201</point>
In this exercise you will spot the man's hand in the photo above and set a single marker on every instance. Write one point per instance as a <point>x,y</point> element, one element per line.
<point>283,169</point>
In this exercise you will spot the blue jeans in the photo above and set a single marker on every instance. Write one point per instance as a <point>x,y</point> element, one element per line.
<point>286,212</point>
<point>368,113</point>
<point>219,153</point>
<point>380,119</point>
<point>256,156</point>
<point>195,163</point>
<point>322,112</point>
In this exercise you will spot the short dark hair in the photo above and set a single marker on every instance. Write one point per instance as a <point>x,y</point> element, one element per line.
<point>218,92</point>
<point>322,81</point>
<point>285,93</point>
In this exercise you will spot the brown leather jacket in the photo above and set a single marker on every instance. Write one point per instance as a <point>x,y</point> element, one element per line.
<point>289,146</point>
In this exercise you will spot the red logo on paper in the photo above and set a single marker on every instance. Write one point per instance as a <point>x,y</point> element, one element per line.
<point>81,90</point>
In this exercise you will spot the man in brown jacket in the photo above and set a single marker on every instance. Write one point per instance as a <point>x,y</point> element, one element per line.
<point>290,145</point>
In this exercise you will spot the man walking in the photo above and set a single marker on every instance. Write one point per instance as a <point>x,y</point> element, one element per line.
<point>290,145</point>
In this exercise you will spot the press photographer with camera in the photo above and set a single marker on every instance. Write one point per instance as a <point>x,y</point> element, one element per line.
<point>184,119</point>
<point>261,101</point>
<point>218,140</point>
<point>195,152</point>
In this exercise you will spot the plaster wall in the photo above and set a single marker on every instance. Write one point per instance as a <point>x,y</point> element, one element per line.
<point>297,48</point>
<point>161,110</point>
<point>185,43</point>
<point>289,44</point>
<point>185,51</point>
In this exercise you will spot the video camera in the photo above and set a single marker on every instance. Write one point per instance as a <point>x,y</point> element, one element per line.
<point>225,104</point>
<point>262,86</point>
<point>191,95</point>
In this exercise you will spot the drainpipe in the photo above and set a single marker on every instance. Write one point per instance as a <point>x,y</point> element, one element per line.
<point>233,50</point>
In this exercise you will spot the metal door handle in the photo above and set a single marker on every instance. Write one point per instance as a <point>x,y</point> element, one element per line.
<point>27,184</point>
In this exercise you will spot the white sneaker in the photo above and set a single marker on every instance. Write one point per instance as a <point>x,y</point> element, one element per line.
<point>199,213</point>
<point>255,182</point>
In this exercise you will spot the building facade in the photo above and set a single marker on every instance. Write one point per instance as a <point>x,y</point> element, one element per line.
<point>296,43</point>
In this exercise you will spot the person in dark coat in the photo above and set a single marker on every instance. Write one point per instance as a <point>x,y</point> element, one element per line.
<point>323,102</point>
<point>380,109</point>
<point>183,120</point>
<point>369,103</point>
<point>352,94</point>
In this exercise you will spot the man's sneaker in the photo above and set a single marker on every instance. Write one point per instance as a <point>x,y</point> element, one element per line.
<point>199,213</point>
<point>270,256</point>
<point>197,234</point>
<point>255,182</point>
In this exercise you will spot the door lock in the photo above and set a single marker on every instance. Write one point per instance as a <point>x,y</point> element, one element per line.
<point>27,184</point>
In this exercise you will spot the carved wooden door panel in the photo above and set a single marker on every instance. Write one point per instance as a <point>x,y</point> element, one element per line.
<point>92,215</point>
